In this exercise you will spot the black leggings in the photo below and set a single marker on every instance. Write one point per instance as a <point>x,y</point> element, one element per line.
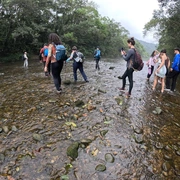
<point>56,72</point>
<point>128,73</point>
<point>149,75</point>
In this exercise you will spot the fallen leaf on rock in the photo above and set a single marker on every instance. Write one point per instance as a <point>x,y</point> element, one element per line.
<point>70,124</point>
<point>100,109</point>
<point>95,152</point>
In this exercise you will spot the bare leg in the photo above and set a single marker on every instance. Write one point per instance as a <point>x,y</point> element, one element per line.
<point>163,84</point>
<point>155,82</point>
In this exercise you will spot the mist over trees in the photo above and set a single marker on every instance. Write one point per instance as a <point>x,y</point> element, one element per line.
<point>26,24</point>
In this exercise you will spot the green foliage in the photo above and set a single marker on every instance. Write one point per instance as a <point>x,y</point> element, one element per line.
<point>166,24</point>
<point>26,24</point>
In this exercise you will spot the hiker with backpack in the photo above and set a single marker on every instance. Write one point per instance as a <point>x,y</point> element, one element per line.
<point>97,57</point>
<point>44,54</point>
<point>56,56</point>
<point>160,72</point>
<point>129,57</point>
<point>174,71</point>
<point>77,58</point>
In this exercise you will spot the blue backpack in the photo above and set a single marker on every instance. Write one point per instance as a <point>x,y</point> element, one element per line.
<point>60,52</point>
<point>45,52</point>
<point>97,54</point>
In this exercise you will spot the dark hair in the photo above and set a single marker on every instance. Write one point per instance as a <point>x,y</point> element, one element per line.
<point>54,38</point>
<point>74,48</point>
<point>163,51</point>
<point>177,49</point>
<point>131,40</point>
<point>152,55</point>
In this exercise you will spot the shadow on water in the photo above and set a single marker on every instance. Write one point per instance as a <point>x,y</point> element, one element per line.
<point>135,138</point>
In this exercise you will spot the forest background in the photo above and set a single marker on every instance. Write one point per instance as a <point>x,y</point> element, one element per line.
<point>26,24</point>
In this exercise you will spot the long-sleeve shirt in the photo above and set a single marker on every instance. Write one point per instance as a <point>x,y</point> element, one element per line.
<point>176,62</point>
<point>152,60</point>
<point>129,56</point>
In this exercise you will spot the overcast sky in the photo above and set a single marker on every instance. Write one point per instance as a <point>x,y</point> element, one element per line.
<point>132,14</point>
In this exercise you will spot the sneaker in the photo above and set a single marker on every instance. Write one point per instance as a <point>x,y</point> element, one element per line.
<point>121,89</point>
<point>119,77</point>
<point>86,80</point>
<point>59,91</point>
<point>167,89</point>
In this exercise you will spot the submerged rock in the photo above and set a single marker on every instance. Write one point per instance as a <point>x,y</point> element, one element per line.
<point>72,150</point>
<point>67,82</point>
<point>37,137</point>
<point>5,129</point>
<point>109,158</point>
<point>79,103</point>
<point>103,132</point>
<point>14,128</point>
<point>100,167</point>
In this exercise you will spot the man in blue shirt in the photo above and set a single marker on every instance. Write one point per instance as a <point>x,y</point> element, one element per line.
<point>174,71</point>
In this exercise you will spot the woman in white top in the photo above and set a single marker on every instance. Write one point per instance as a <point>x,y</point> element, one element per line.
<point>160,71</point>
<point>151,62</point>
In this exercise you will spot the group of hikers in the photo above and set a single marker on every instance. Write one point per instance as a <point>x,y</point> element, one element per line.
<point>164,74</point>
<point>54,58</point>
<point>54,55</point>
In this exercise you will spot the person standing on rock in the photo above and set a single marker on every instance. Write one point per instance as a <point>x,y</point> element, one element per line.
<point>25,59</point>
<point>129,57</point>
<point>77,57</point>
<point>151,62</point>
<point>56,65</point>
<point>160,72</point>
<point>174,71</point>
<point>97,57</point>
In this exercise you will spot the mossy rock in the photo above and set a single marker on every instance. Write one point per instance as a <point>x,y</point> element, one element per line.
<point>72,150</point>
<point>79,103</point>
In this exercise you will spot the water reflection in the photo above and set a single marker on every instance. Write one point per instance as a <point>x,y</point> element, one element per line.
<point>34,132</point>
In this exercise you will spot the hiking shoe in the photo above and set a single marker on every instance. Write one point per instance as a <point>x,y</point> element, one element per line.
<point>59,91</point>
<point>121,89</point>
<point>127,95</point>
<point>86,80</point>
<point>119,77</point>
<point>166,89</point>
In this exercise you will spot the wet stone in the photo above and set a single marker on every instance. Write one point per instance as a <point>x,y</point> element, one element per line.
<point>100,167</point>
<point>138,130</point>
<point>167,148</point>
<point>86,142</point>
<point>102,91</point>
<point>2,157</point>
<point>1,130</point>
<point>72,150</point>
<point>79,103</point>
<point>159,145</point>
<point>103,132</point>
<point>5,129</point>
<point>167,157</point>
<point>139,139</point>
<point>37,137</point>
<point>109,158</point>
<point>14,128</point>
<point>67,82</point>
<point>178,153</point>
<point>166,166</point>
